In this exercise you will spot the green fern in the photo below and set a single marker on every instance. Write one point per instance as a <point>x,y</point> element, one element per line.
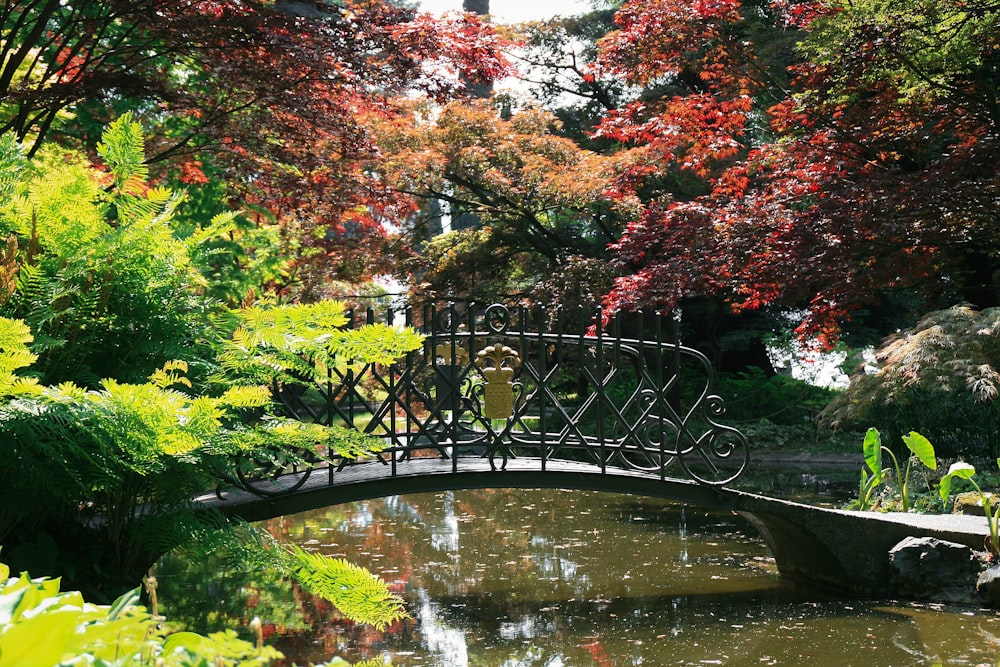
<point>355,591</point>
<point>105,423</point>
<point>223,223</point>
<point>13,164</point>
<point>14,355</point>
<point>170,374</point>
<point>104,284</point>
<point>122,148</point>
<point>298,343</point>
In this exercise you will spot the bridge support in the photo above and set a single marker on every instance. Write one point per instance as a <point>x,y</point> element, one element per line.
<point>846,552</point>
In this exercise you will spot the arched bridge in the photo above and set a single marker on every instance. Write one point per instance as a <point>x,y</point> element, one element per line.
<point>505,398</point>
<point>837,550</point>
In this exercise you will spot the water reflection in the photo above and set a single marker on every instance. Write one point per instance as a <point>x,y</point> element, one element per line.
<point>512,578</point>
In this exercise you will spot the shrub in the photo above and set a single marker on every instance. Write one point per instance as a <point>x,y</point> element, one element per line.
<point>751,396</point>
<point>940,378</point>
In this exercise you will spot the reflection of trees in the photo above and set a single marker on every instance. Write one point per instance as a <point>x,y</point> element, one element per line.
<point>203,595</point>
<point>515,565</point>
<point>511,578</point>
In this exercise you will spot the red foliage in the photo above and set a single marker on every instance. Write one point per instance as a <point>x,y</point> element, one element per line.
<point>267,96</point>
<point>863,186</point>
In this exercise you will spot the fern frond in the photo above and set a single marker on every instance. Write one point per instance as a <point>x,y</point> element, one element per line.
<point>375,343</point>
<point>170,374</point>
<point>66,392</point>
<point>13,163</point>
<point>14,334</point>
<point>246,397</point>
<point>14,355</point>
<point>122,147</point>
<point>223,223</point>
<point>20,386</point>
<point>356,592</point>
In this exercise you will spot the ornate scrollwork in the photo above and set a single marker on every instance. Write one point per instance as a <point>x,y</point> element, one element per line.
<point>498,318</point>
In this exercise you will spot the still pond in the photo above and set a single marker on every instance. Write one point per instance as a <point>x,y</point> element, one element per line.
<point>548,578</point>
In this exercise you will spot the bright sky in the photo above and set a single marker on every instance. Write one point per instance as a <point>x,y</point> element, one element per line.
<point>513,11</point>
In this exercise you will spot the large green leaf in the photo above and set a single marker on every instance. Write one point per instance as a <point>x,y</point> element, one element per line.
<point>39,640</point>
<point>959,469</point>
<point>922,448</point>
<point>873,453</point>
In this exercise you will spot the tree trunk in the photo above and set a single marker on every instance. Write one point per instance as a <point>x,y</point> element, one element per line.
<point>476,6</point>
<point>481,90</point>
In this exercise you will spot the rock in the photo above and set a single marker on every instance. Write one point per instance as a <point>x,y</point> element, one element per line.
<point>971,502</point>
<point>988,585</point>
<point>926,568</point>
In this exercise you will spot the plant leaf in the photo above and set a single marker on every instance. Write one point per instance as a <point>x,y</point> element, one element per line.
<point>959,469</point>
<point>873,453</point>
<point>360,595</point>
<point>922,448</point>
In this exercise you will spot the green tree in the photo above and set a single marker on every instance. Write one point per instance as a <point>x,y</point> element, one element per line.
<point>96,479</point>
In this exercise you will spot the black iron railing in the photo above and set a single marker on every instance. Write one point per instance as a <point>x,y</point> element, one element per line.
<point>497,382</point>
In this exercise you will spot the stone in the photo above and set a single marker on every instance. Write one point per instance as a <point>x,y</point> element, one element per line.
<point>971,502</point>
<point>988,585</point>
<point>934,570</point>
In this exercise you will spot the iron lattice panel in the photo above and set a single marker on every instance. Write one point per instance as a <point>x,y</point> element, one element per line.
<point>620,395</point>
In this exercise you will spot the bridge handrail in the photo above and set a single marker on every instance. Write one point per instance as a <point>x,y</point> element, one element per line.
<point>634,407</point>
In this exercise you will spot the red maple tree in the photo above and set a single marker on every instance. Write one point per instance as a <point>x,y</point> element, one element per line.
<point>872,168</point>
<point>262,97</point>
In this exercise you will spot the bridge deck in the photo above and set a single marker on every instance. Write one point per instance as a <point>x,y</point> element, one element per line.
<point>374,479</point>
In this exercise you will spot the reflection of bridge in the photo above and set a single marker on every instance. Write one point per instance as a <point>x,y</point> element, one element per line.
<point>501,398</point>
<point>838,550</point>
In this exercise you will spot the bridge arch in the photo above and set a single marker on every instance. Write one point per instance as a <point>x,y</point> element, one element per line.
<point>836,550</point>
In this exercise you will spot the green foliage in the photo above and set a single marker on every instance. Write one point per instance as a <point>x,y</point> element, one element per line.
<point>235,255</point>
<point>41,626</point>
<point>354,590</point>
<point>14,355</point>
<point>106,288</point>
<point>919,446</point>
<point>285,437</point>
<point>126,455</point>
<point>751,395</point>
<point>114,450</point>
<point>941,376</point>
<point>965,471</point>
<point>122,148</point>
<point>476,264</point>
<point>137,453</point>
<point>300,342</point>
<point>102,448</point>
<point>926,50</point>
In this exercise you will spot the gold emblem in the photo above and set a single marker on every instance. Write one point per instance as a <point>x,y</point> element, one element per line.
<point>497,364</point>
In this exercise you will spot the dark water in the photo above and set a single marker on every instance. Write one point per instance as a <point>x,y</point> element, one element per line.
<point>515,578</point>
